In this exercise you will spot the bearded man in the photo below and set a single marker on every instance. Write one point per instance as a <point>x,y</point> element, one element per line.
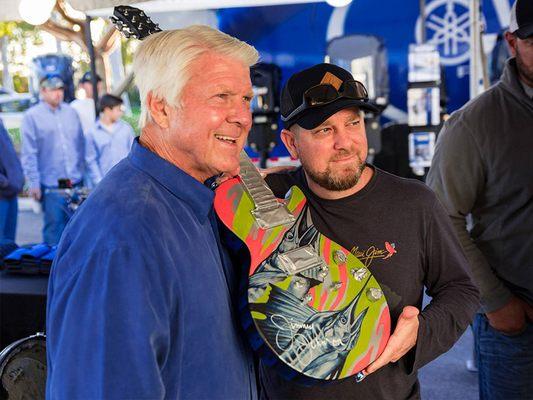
<point>396,227</point>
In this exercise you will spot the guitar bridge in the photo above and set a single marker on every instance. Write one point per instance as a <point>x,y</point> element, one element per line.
<point>300,260</point>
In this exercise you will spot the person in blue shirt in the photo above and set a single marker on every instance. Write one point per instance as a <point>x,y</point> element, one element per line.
<point>141,296</point>
<point>52,148</point>
<point>11,183</point>
<point>109,140</point>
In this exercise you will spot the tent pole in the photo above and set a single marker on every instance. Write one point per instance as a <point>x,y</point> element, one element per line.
<point>90,47</point>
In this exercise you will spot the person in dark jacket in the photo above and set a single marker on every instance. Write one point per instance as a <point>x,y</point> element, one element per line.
<point>11,183</point>
<point>482,168</point>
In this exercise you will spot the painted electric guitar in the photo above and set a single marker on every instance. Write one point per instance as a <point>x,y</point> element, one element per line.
<point>314,304</point>
<point>310,302</point>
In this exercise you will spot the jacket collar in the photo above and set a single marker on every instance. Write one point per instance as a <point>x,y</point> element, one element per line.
<point>176,181</point>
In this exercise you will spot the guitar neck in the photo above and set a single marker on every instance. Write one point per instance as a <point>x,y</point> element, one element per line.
<point>268,211</point>
<point>255,185</point>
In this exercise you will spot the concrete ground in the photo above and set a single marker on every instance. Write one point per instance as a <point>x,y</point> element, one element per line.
<point>446,378</point>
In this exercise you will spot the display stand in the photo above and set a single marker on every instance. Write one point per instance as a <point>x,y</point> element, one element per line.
<point>423,105</point>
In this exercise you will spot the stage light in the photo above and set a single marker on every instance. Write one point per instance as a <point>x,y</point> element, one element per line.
<point>36,12</point>
<point>338,3</point>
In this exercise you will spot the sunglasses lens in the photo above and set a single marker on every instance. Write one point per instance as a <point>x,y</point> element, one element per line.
<point>320,94</point>
<point>354,90</point>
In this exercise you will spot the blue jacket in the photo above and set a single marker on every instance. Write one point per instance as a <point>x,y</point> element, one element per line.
<point>140,298</point>
<point>11,175</point>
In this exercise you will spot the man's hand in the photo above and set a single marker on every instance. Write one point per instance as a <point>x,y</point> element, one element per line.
<point>35,193</point>
<point>511,319</point>
<point>401,341</point>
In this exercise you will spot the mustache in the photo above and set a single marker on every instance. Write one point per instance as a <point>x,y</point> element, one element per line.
<point>343,153</point>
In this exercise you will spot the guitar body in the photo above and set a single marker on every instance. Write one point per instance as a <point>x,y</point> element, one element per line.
<point>312,302</point>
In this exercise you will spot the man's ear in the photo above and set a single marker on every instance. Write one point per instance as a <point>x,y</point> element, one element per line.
<point>158,109</point>
<point>511,42</point>
<point>289,139</point>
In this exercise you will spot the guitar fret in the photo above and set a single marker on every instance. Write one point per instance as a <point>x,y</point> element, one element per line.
<point>256,187</point>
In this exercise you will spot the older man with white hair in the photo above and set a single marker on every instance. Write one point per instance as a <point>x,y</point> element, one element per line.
<point>140,301</point>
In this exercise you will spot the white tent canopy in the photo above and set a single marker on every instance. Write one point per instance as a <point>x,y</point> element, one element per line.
<point>9,8</point>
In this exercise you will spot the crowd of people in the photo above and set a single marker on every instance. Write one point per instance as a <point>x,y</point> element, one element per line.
<point>144,295</point>
<point>60,143</point>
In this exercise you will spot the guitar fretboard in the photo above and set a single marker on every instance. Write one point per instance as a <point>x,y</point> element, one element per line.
<point>268,211</point>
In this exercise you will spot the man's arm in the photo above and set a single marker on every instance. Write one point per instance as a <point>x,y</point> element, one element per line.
<point>29,155</point>
<point>91,159</point>
<point>455,299</point>
<point>457,176</point>
<point>11,176</point>
<point>108,324</point>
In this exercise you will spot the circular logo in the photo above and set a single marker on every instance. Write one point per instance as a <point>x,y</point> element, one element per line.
<point>448,27</point>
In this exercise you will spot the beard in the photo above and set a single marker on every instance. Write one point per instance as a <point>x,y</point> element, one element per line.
<point>525,71</point>
<point>337,181</point>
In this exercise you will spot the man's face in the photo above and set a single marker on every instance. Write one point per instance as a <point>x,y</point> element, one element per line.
<point>53,97</point>
<point>522,49</point>
<point>333,154</point>
<point>114,113</point>
<point>207,131</point>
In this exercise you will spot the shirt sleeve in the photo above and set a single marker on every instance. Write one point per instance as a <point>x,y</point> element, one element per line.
<point>111,301</point>
<point>457,176</point>
<point>91,159</point>
<point>455,298</point>
<point>11,176</point>
<point>29,152</point>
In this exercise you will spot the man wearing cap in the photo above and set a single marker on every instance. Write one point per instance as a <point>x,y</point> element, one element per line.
<point>483,168</point>
<point>85,107</point>
<point>52,149</point>
<point>396,227</point>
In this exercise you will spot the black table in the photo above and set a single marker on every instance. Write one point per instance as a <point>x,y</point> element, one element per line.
<point>22,306</point>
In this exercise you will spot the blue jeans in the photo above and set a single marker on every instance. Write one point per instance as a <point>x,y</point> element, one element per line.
<point>8,218</point>
<point>56,216</point>
<point>505,362</point>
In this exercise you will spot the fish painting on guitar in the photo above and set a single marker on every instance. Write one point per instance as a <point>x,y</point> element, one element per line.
<point>309,302</point>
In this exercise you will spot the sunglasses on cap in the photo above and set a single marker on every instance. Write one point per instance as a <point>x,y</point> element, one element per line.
<point>324,93</point>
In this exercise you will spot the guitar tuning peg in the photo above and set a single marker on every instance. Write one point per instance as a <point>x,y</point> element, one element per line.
<point>126,34</point>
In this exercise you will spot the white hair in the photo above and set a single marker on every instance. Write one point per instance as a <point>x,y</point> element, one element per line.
<point>162,62</point>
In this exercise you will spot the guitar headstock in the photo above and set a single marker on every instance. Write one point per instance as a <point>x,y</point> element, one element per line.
<point>133,22</point>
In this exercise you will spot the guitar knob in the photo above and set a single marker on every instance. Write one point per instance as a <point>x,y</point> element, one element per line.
<point>339,257</point>
<point>358,274</point>
<point>298,284</point>
<point>374,294</point>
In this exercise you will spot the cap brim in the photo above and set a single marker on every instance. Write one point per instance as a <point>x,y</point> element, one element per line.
<point>315,116</point>
<point>52,85</point>
<point>524,32</point>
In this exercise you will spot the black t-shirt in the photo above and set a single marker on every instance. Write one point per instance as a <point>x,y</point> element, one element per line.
<point>399,230</point>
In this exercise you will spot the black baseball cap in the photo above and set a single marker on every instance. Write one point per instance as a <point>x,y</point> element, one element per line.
<point>87,77</point>
<point>293,92</point>
<point>522,19</point>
